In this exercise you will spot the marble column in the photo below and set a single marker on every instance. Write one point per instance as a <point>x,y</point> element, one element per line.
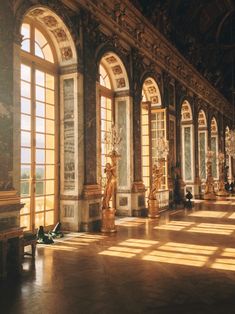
<point>9,200</point>
<point>197,183</point>
<point>91,215</point>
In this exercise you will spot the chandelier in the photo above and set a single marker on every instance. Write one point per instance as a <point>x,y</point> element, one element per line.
<point>112,138</point>
<point>230,143</point>
<point>162,148</point>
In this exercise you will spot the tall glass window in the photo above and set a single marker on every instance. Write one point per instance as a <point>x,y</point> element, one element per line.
<point>214,147</point>
<point>153,128</point>
<point>187,143</point>
<point>145,145</point>
<point>38,142</point>
<point>106,118</point>
<point>202,144</point>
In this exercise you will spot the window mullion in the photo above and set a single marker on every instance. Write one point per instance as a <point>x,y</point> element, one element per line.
<point>33,148</point>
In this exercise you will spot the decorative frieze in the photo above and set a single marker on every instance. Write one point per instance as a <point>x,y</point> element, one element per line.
<point>128,22</point>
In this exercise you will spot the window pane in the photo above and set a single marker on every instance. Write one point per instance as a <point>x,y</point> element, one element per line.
<point>50,157</point>
<point>40,93</point>
<point>39,37</point>
<point>40,156</point>
<point>40,109</point>
<point>25,30</point>
<point>25,89</point>
<point>40,140</point>
<point>50,172</point>
<point>26,208</point>
<point>50,202</point>
<point>50,127</point>
<point>39,204</point>
<point>25,222</point>
<point>108,115</point>
<point>50,141</point>
<point>49,218</point>
<point>25,105</point>
<point>25,155</point>
<point>50,187</point>
<point>39,190</point>
<point>40,78</point>
<point>25,45</point>
<point>25,139</point>
<point>39,220</point>
<point>48,53</point>
<point>50,81</point>
<point>38,51</point>
<point>50,113</point>
<point>25,172</point>
<point>40,172</point>
<point>50,99</point>
<point>24,188</point>
<point>25,73</point>
<point>40,125</point>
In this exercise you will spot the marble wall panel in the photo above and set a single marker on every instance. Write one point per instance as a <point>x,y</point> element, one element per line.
<point>69,140</point>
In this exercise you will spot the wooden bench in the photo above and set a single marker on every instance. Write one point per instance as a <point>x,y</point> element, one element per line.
<point>30,238</point>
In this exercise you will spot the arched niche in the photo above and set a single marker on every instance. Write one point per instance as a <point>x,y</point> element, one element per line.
<point>202,144</point>
<point>48,99</point>
<point>114,108</point>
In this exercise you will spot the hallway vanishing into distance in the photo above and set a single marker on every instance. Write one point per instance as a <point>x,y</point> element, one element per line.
<point>185,263</point>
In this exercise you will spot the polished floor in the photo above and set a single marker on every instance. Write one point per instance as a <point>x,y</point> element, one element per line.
<point>184,264</point>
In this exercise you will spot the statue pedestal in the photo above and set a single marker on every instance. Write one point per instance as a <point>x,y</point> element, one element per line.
<point>108,220</point>
<point>209,196</point>
<point>153,206</point>
<point>222,195</point>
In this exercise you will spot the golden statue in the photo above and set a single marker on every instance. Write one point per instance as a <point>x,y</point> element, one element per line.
<point>157,173</point>
<point>110,184</point>
<point>209,193</point>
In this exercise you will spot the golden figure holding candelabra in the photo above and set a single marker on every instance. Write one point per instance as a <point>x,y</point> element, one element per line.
<point>108,213</point>
<point>221,189</point>
<point>157,175</point>
<point>209,193</point>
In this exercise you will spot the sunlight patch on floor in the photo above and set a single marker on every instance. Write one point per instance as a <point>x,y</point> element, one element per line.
<point>209,214</point>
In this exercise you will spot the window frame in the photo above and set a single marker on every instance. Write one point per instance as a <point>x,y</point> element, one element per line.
<point>37,63</point>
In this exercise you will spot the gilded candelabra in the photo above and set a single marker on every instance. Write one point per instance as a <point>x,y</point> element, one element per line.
<point>221,189</point>
<point>112,139</point>
<point>209,193</point>
<point>157,175</point>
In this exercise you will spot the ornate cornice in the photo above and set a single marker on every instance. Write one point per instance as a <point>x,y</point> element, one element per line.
<point>126,21</point>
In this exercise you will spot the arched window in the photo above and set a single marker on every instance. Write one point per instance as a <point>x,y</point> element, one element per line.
<point>38,136</point>
<point>106,113</point>
<point>214,147</point>
<point>202,144</point>
<point>187,143</point>
<point>153,127</point>
<point>114,110</point>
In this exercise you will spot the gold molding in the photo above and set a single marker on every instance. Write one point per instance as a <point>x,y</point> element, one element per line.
<point>126,21</point>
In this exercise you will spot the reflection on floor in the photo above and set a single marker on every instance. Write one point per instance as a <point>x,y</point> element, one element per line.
<point>182,265</point>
